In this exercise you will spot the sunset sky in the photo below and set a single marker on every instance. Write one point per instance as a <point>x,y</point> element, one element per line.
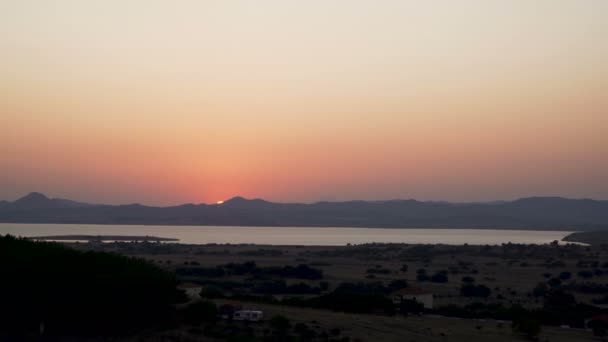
<point>166,102</point>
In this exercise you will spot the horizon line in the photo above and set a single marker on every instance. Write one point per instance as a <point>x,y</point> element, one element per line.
<point>238,197</point>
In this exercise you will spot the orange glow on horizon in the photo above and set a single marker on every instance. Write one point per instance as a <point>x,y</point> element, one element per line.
<point>375,100</point>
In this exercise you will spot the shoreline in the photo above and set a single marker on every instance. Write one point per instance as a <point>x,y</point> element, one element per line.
<point>433,227</point>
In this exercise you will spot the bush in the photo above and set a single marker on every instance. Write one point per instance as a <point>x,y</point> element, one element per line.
<point>211,292</point>
<point>439,278</point>
<point>210,272</point>
<point>468,279</point>
<point>305,333</point>
<point>540,290</point>
<point>470,290</point>
<point>378,271</point>
<point>199,312</point>
<point>398,284</point>
<point>301,271</point>
<point>324,285</point>
<point>280,324</point>
<point>411,306</point>
<point>554,282</point>
<point>526,326</point>
<point>422,277</point>
<point>349,297</point>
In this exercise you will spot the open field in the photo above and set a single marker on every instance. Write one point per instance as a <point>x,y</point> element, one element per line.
<point>376,328</point>
<point>515,275</point>
<point>511,271</point>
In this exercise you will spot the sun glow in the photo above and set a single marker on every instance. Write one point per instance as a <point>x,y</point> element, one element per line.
<point>219,202</point>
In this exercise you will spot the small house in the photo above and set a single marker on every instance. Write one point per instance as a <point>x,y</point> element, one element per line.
<point>416,294</point>
<point>597,322</point>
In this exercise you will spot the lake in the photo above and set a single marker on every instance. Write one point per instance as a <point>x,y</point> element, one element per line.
<point>312,236</point>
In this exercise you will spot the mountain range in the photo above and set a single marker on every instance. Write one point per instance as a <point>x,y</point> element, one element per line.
<point>554,213</point>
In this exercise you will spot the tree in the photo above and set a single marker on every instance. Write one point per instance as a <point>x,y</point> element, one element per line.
<point>79,293</point>
<point>540,290</point>
<point>280,324</point>
<point>554,282</point>
<point>398,284</point>
<point>324,285</point>
<point>421,275</point>
<point>527,326</point>
<point>468,279</point>
<point>469,290</point>
<point>306,333</point>
<point>439,278</point>
<point>199,312</point>
<point>411,306</point>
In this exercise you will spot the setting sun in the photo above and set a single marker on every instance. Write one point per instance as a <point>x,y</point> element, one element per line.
<point>219,202</point>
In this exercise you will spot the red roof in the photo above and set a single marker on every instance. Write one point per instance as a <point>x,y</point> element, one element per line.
<point>600,317</point>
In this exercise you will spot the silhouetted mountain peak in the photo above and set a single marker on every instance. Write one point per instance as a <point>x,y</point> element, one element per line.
<point>531,212</point>
<point>37,200</point>
<point>33,198</point>
<point>242,201</point>
<point>236,199</point>
<point>542,199</point>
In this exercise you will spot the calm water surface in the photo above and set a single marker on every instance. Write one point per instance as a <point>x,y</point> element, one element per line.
<point>292,236</point>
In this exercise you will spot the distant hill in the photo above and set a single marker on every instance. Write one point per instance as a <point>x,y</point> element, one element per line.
<point>526,213</point>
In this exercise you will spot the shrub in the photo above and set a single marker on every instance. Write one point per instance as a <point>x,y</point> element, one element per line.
<point>439,278</point>
<point>210,272</point>
<point>199,312</point>
<point>306,333</point>
<point>554,282</point>
<point>378,271</point>
<point>468,279</point>
<point>469,290</point>
<point>398,284</point>
<point>422,277</point>
<point>526,326</point>
<point>280,324</point>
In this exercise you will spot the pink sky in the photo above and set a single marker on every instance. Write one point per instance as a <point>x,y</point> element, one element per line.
<point>151,102</point>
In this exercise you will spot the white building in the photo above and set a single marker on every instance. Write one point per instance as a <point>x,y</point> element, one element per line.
<point>248,315</point>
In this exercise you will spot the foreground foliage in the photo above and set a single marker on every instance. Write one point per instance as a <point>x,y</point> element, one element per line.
<point>46,286</point>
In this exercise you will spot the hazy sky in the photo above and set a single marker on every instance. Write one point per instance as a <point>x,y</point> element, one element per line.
<point>163,102</point>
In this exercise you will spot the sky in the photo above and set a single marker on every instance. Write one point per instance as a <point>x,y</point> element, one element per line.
<point>167,102</point>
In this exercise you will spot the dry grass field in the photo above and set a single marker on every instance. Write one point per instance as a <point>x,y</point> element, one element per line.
<point>510,271</point>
